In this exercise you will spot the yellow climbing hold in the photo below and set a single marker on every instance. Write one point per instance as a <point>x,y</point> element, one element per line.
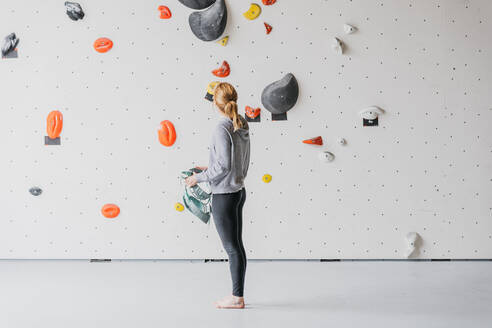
<point>211,87</point>
<point>179,207</point>
<point>211,90</point>
<point>253,12</point>
<point>223,41</point>
<point>267,178</point>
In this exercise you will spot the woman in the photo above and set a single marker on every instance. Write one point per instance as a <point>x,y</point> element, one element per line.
<point>228,166</point>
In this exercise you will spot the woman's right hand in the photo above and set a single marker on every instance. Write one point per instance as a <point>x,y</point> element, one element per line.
<point>203,168</point>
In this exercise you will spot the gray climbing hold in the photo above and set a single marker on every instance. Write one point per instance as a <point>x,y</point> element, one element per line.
<point>337,46</point>
<point>413,240</point>
<point>9,44</point>
<point>209,24</point>
<point>36,191</point>
<point>280,96</point>
<point>197,4</point>
<point>326,156</point>
<point>74,10</point>
<point>349,29</point>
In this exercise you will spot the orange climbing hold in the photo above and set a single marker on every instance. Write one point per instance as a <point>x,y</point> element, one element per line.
<point>223,71</point>
<point>110,211</point>
<point>167,133</point>
<point>103,45</point>
<point>54,124</point>
<point>268,28</point>
<point>268,2</point>
<point>314,141</point>
<point>252,112</point>
<point>165,12</point>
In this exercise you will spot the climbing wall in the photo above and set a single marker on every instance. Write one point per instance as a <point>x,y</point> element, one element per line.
<point>425,169</point>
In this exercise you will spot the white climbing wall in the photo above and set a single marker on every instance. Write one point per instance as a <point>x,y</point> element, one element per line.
<point>426,168</point>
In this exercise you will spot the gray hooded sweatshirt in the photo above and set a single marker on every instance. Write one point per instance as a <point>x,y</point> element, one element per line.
<point>229,158</point>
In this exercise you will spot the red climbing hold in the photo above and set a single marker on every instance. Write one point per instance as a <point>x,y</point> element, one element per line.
<point>54,124</point>
<point>314,141</point>
<point>167,133</point>
<point>268,2</point>
<point>165,12</point>
<point>110,211</point>
<point>252,112</point>
<point>223,71</point>
<point>103,45</point>
<point>268,28</point>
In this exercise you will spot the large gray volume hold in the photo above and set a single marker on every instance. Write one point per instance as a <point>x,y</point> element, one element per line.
<point>280,96</point>
<point>209,24</point>
<point>197,4</point>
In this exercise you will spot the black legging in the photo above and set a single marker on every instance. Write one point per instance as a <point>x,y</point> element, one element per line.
<point>227,210</point>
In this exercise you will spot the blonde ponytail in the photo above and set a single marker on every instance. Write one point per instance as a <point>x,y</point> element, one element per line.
<point>225,97</point>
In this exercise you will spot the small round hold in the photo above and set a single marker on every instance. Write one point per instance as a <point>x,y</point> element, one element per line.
<point>326,156</point>
<point>103,45</point>
<point>267,178</point>
<point>342,141</point>
<point>36,191</point>
<point>179,207</point>
<point>110,211</point>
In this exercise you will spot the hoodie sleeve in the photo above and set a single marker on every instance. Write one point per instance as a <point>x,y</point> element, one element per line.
<point>246,160</point>
<point>220,162</point>
<point>247,150</point>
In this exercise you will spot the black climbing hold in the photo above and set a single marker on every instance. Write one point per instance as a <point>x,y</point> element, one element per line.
<point>74,10</point>
<point>49,142</point>
<point>280,96</point>
<point>366,122</point>
<point>36,191</point>
<point>9,44</point>
<point>209,24</point>
<point>197,4</point>
<point>279,117</point>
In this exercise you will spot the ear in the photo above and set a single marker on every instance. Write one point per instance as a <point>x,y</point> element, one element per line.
<point>371,113</point>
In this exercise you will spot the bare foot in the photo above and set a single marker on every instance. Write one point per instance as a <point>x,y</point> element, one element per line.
<point>230,302</point>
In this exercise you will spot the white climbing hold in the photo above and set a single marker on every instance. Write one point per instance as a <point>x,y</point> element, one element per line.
<point>342,141</point>
<point>326,156</point>
<point>412,239</point>
<point>349,29</point>
<point>371,113</point>
<point>337,46</point>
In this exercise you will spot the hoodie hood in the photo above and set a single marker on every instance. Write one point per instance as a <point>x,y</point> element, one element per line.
<point>243,132</point>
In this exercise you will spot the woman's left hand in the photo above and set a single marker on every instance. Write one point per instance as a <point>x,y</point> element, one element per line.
<point>191,181</point>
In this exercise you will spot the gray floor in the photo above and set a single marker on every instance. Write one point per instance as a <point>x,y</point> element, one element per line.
<point>279,294</point>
